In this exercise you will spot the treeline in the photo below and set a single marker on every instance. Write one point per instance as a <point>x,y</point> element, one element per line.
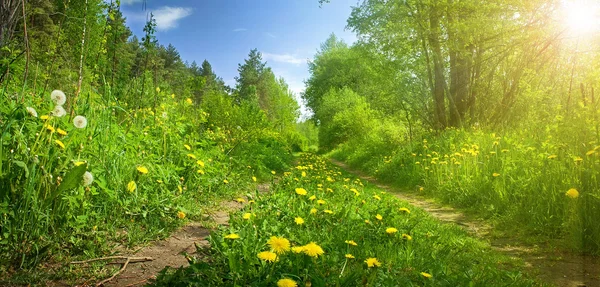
<point>487,104</point>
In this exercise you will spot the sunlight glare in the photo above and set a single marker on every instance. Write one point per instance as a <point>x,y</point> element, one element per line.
<point>582,17</point>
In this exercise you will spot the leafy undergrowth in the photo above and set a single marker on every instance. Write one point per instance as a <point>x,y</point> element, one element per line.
<point>320,228</point>
<point>544,182</point>
<point>117,175</point>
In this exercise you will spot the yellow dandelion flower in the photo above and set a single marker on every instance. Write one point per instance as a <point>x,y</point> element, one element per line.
<point>407,237</point>
<point>495,174</point>
<point>313,250</point>
<point>200,171</point>
<point>320,201</point>
<point>572,193</point>
<point>267,256</point>
<point>379,217</point>
<point>313,211</point>
<point>328,211</point>
<point>191,155</point>
<point>377,197</point>
<point>404,209</point>
<point>232,236</point>
<point>273,172</point>
<point>189,101</point>
<point>329,190</point>
<point>312,197</point>
<point>247,216</point>
<point>180,189</point>
<point>78,163</point>
<point>552,156</point>
<point>44,117</point>
<point>372,262</point>
<point>180,215</point>
<point>304,174</point>
<point>286,282</point>
<point>61,132</point>
<point>279,244</point>
<point>225,181</point>
<point>131,186</point>
<point>200,163</point>
<point>50,128</point>
<point>367,221</point>
<point>187,147</point>
<point>301,191</point>
<point>240,200</point>
<point>299,220</point>
<point>349,256</point>
<point>251,201</point>
<point>142,169</point>
<point>391,230</point>
<point>578,159</point>
<point>254,178</point>
<point>298,249</point>
<point>351,242</point>
<point>60,144</point>
<point>426,275</point>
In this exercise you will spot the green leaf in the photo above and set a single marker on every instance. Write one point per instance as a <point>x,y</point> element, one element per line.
<point>73,178</point>
<point>23,166</point>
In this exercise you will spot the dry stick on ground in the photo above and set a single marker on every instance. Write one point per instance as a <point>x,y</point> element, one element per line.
<point>127,261</point>
<point>114,275</point>
<point>131,259</point>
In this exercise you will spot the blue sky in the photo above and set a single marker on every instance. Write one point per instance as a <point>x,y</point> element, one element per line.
<point>287,32</point>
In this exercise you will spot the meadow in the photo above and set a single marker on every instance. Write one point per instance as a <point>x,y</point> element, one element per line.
<point>320,226</point>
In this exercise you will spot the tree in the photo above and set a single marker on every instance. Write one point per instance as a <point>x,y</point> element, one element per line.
<point>250,74</point>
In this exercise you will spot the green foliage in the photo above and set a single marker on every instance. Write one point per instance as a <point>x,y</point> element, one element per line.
<point>483,68</point>
<point>343,115</point>
<point>335,210</point>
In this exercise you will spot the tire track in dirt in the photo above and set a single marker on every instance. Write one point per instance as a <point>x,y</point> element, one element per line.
<point>556,267</point>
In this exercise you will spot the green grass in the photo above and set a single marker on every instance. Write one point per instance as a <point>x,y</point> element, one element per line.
<point>350,210</point>
<point>176,155</point>
<point>518,178</point>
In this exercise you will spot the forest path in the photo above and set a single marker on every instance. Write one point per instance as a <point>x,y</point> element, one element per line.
<point>556,267</point>
<point>169,252</point>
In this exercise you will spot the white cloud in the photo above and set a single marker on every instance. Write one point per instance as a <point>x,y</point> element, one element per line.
<point>239,30</point>
<point>270,35</point>
<point>284,58</point>
<point>167,17</point>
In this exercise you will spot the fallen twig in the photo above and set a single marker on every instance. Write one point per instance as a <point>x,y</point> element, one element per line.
<point>130,259</point>
<point>116,273</point>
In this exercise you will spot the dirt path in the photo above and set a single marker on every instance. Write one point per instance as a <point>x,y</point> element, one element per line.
<point>552,266</point>
<point>169,252</point>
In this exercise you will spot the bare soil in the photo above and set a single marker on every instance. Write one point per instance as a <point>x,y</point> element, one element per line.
<point>552,265</point>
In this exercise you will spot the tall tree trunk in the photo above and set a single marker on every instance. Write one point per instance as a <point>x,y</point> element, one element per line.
<point>438,68</point>
<point>459,69</point>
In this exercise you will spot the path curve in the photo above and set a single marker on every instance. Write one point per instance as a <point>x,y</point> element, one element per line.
<point>556,267</point>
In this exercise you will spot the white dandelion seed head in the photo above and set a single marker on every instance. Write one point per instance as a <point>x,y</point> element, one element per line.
<point>59,111</point>
<point>32,112</point>
<point>58,97</point>
<point>88,178</point>
<point>80,122</point>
